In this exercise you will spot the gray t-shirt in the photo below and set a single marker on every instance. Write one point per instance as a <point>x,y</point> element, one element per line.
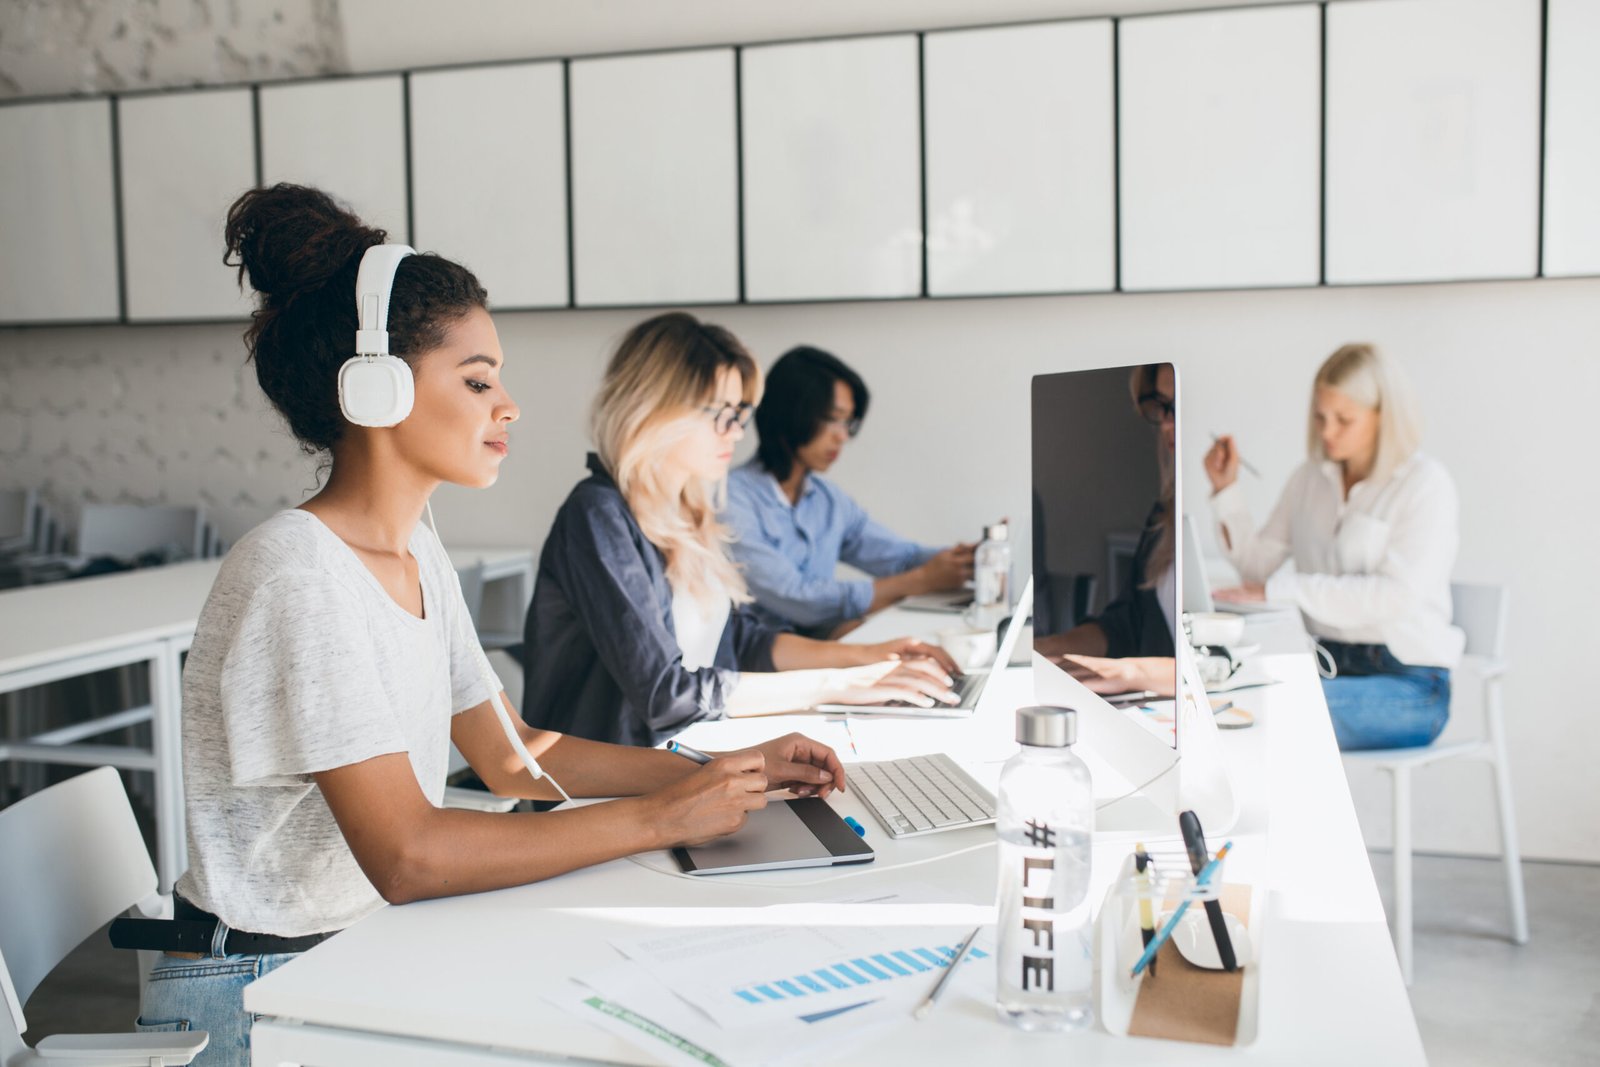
<point>302,662</point>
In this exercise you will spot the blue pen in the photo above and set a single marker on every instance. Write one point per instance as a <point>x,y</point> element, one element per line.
<point>678,749</point>
<point>1172,924</point>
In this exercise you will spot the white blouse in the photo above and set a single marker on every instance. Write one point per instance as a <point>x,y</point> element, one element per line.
<point>1371,569</point>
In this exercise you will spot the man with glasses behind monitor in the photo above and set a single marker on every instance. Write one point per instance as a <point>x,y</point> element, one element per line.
<point>794,527</point>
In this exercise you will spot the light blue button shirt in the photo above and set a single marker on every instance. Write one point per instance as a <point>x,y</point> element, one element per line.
<point>789,552</point>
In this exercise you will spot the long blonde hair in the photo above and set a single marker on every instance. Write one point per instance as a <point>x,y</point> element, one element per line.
<point>662,374</point>
<point>1368,377</point>
<point>1141,382</point>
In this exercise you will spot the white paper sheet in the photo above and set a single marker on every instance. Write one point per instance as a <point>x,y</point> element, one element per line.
<point>626,1001</point>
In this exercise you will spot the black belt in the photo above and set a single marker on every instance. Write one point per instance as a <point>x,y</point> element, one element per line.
<point>192,930</point>
<point>1358,660</point>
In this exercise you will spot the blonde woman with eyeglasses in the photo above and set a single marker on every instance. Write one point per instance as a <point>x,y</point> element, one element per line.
<point>1371,524</point>
<point>639,624</point>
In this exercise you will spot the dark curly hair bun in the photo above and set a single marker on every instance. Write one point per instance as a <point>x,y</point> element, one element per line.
<point>301,250</point>
<point>291,238</point>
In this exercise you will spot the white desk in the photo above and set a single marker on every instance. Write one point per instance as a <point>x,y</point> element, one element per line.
<point>68,629</point>
<point>457,980</point>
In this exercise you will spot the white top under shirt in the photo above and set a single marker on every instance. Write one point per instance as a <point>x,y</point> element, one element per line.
<point>1373,569</point>
<point>302,662</point>
<point>699,627</point>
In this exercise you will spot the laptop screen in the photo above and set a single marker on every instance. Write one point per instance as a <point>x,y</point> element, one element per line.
<point>1107,534</point>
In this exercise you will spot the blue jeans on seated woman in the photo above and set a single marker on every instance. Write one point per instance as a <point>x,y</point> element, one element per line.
<point>1379,702</point>
<point>206,994</point>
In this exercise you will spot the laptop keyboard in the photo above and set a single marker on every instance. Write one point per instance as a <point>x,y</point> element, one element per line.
<point>921,794</point>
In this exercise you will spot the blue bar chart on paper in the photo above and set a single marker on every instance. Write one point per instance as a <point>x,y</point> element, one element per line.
<point>745,975</point>
<point>856,973</point>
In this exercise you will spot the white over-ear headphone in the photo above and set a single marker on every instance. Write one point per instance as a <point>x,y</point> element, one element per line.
<point>375,388</point>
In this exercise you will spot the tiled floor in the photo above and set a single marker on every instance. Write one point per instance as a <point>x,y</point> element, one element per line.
<point>1478,998</point>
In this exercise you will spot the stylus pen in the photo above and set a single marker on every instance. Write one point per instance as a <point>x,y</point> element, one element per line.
<point>680,749</point>
<point>1242,461</point>
<point>944,979</point>
<point>1194,839</point>
<point>1172,923</point>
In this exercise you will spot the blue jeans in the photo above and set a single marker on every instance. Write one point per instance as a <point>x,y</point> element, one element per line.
<point>206,994</point>
<point>1399,707</point>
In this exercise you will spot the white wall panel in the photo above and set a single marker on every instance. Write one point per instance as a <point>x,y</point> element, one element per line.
<point>1433,140</point>
<point>1572,139</point>
<point>655,179</point>
<point>1020,182</point>
<point>185,157</point>
<point>489,177</point>
<point>58,241</point>
<point>832,170</point>
<point>347,137</point>
<point>1221,149</point>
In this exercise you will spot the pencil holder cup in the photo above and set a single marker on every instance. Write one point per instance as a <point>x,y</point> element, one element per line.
<point>1167,882</point>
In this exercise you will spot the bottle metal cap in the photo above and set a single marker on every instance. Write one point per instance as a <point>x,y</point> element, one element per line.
<point>1043,726</point>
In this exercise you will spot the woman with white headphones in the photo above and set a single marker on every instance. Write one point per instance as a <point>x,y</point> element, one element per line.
<point>334,663</point>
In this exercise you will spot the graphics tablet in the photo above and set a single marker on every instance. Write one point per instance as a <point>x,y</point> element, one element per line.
<point>787,833</point>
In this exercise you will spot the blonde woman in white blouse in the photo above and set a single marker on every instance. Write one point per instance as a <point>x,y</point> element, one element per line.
<point>1370,523</point>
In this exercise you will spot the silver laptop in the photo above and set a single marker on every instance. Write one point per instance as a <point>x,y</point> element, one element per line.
<point>969,687</point>
<point>1197,584</point>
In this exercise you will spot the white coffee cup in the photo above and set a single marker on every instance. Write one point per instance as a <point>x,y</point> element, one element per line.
<point>1218,629</point>
<point>970,649</point>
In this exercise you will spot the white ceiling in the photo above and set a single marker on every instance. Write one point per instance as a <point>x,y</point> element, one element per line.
<point>396,34</point>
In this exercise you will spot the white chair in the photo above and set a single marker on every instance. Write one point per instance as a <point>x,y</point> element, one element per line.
<point>510,673</point>
<point>128,530</point>
<point>1480,612</point>
<point>472,592</point>
<point>19,520</point>
<point>74,860</point>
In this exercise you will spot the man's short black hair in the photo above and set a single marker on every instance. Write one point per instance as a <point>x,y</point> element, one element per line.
<point>798,400</point>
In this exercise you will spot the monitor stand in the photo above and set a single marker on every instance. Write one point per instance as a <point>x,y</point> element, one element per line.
<point>1142,781</point>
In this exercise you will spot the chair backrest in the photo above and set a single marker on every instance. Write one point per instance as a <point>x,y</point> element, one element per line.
<point>472,589</point>
<point>19,516</point>
<point>1480,613</point>
<point>73,860</point>
<point>127,530</point>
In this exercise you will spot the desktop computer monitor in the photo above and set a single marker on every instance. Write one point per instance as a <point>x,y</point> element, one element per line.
<point>1107,571</point>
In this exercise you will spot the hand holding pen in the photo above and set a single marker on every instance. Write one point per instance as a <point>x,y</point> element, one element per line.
<point>1223,461</point>
<point>793,762</point>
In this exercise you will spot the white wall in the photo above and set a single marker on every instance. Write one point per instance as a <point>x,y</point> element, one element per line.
<point>1507,372</point>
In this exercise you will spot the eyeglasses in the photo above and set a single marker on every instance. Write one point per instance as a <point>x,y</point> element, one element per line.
<point>724,417</point>
<point>850,426</point>
<point>1156,408</point>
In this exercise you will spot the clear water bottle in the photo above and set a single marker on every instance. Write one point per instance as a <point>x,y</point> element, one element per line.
<point>1045,821</point>
<point>991,578</point>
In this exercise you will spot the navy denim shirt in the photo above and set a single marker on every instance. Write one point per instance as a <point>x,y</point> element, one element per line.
<point>602,656</point>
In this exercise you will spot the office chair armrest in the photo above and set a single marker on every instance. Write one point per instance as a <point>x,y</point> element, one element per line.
<point>155,906</point>
<point>114,1050</point>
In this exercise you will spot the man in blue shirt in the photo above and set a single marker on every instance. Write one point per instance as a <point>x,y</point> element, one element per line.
<point>794,527</point>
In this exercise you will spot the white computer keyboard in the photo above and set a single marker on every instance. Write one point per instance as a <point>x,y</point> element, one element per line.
<point>921,795</point>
